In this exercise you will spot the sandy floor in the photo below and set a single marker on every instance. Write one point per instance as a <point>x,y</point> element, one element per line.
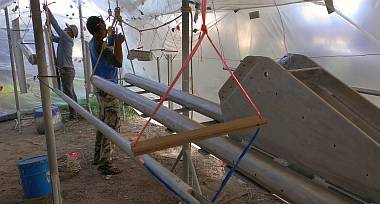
<point>134,185</point>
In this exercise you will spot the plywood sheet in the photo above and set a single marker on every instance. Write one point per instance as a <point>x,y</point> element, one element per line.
<point>303,128</point>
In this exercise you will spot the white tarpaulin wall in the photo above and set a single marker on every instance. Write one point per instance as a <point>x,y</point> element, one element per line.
<point>350,53</point>
<point>344,50</point>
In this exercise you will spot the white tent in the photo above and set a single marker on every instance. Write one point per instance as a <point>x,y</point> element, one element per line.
<point>346,42</point>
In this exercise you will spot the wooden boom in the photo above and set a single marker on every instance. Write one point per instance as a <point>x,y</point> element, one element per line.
<point>173,140</point>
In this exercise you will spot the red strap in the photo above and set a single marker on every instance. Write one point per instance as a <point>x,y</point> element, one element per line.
<point>185,64</point>
<point>234,78</point>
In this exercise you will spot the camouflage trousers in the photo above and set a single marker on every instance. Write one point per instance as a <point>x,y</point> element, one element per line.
<point>109,113</point>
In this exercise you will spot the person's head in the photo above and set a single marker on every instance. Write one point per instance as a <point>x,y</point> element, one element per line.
<point>97,27</point>
<point>71,30</point>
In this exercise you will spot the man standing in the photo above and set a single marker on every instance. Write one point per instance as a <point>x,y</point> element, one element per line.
<point>105,62</point>
<point>65,40</point>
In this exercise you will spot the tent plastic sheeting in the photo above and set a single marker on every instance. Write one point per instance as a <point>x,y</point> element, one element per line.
<point>347,45</point>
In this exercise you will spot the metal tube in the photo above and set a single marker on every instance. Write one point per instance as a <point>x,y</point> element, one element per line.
<point>158,70</point>
<point>114,136</point>
<point>84,55</point>
<point>185,84</point>
<point>196,184</point>
<point>278,179</point>
<point>18,112</point>
<point>172,180</point>
<point>18,56</point>
<point>45,98</point>
<point>192,102</point>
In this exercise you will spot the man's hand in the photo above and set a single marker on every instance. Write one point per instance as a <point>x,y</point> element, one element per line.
<point>111,31</point>
<point>45,7</point>
<point>119,39</point>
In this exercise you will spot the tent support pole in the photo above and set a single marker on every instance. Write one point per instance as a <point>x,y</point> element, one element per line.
<point>186,148</point>
<point>45,98</point>
<point>13,70</point>
<point>84,56</point>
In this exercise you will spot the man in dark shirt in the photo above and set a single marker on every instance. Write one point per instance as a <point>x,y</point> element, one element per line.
<point>105,62</point>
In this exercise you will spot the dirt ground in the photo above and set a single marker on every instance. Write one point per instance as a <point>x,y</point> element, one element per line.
<point>133,185</point>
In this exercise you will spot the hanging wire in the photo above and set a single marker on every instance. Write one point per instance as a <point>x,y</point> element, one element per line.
<point>217,29</point>
<point>282,26</point>
<point>152,28</point>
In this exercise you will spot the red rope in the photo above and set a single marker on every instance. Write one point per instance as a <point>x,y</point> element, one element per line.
<point>185,64</point>
<point>235,79</point>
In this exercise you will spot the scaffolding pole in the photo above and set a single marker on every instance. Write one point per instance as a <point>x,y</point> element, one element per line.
<point>255,166</point>
<point>186,148</point>
<point>180,187</point>
<point>45,99</point>
<point>18,112</point>
<point>84,55</point>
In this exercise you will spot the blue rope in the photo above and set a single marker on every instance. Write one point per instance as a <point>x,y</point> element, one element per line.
<point>234,167</point>
<point>165,184</point>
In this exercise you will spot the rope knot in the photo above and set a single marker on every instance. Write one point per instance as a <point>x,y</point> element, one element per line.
<point>186,9</point>
<point>204,28</point>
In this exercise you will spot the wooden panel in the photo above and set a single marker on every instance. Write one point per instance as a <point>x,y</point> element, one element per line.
<point>348,102</point>
<point>160,143</point>
<point>304,129</point>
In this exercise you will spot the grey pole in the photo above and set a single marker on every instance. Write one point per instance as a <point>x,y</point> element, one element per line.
<point>13,68</point>
<point>255,166</point>
<point>186,148</point>
<point>84,55</point>
<point>45,98</point>
<point>183,189</point>
<point>201,105</point>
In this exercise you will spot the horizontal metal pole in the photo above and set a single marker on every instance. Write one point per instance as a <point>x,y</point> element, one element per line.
<point>192,102</point>
<point>275,177</point>
<point>172,180</point>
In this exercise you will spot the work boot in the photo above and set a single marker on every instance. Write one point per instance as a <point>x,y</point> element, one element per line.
<point>96,160</point>
<point>108,169</point>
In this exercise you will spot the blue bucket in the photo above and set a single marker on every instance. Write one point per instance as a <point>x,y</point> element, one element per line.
<point>35,176</point>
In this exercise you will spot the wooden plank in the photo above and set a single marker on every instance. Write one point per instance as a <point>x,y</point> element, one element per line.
<point>311,134</point>
<point>160,143</point>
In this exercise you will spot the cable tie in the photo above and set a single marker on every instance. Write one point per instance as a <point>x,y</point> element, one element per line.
<point>38,76</point>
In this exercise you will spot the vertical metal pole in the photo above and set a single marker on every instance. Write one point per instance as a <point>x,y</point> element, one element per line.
<point>17,55</point>
<point>185,83</point>
<point>169,57</point>
<point>45,98</point>
<point>13,69</point>
<point>84,54</point>
<point>158,70</point>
